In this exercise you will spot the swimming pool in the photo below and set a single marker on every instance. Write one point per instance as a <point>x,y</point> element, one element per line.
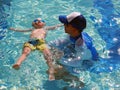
<point>103,19</point>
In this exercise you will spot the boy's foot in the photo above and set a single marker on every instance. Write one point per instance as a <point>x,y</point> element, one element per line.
<point>51,77</point>
<point>16,66</point>
<point>51,74</point>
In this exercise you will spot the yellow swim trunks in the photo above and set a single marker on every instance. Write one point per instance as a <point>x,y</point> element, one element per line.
<point>36,44</point>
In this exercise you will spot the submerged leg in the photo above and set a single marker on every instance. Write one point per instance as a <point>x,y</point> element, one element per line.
<point>62,73</point>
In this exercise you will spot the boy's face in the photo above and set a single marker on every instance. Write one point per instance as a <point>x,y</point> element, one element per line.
<point>38,23</point>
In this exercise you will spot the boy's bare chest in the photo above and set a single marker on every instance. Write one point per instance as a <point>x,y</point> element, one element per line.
<point>39,31</point>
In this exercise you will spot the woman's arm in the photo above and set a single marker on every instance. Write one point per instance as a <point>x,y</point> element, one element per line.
<point>53,27</point>
<point>20,30</point>
<point>59,43</point>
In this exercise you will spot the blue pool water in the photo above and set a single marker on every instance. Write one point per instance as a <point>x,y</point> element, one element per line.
<point>103,17</point>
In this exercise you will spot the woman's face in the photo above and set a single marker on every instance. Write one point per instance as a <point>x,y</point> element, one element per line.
<point>70,29</point>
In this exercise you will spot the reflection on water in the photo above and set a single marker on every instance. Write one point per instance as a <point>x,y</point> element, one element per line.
<point>103,20</point>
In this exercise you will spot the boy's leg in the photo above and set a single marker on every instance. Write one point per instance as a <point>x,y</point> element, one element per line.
<point>25,52</point>
<point>48,57</point>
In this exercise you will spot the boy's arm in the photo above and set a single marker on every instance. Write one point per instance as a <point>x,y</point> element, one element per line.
<point>53,27</point>
<point>20,30</point>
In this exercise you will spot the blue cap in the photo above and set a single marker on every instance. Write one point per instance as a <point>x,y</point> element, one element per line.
<point>63,19</point>
<point>75,19</point>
